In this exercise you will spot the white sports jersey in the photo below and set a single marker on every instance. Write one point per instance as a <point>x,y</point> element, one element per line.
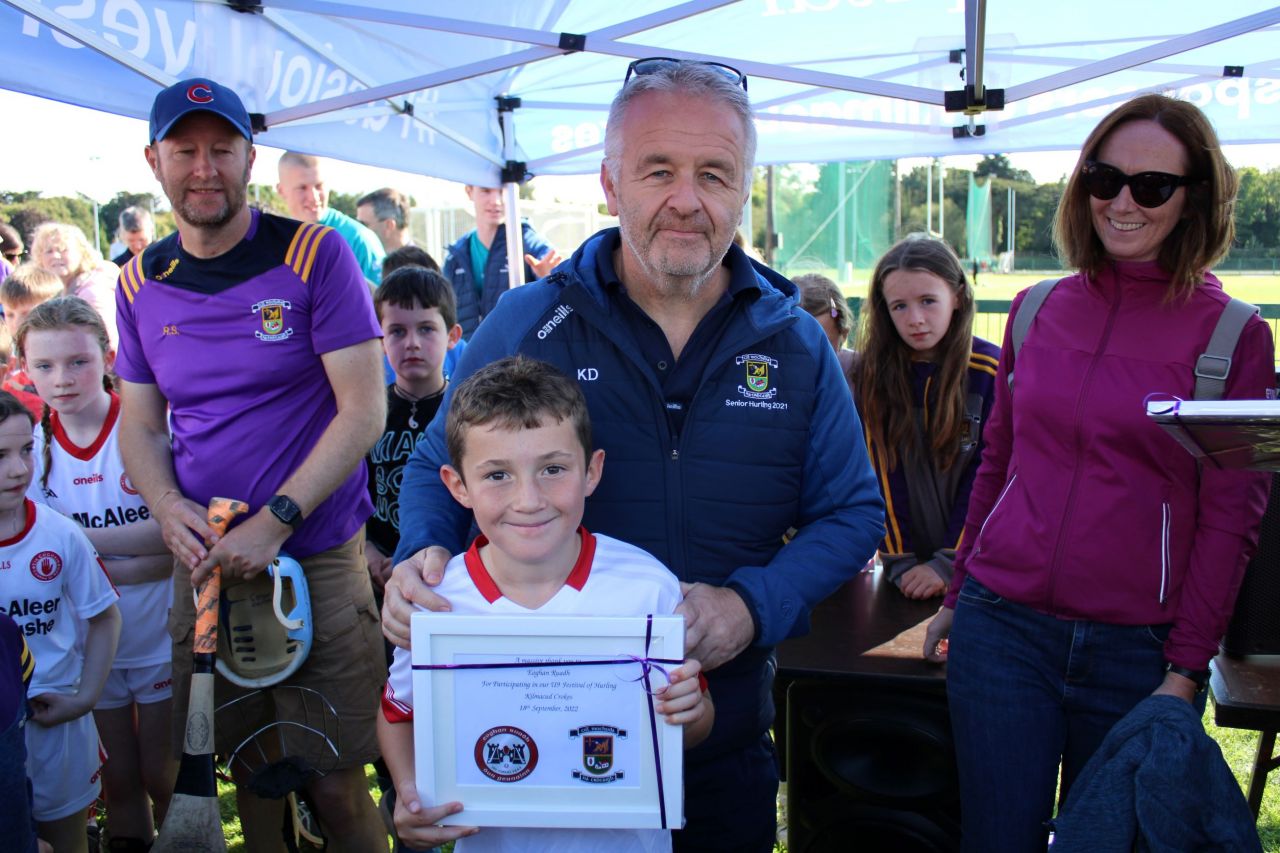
<point>611,578</point>
<point>50,581</point>
<point>89,486</point>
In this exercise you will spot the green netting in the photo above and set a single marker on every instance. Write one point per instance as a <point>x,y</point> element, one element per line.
<point>834,218</point>
<point>978,220</point>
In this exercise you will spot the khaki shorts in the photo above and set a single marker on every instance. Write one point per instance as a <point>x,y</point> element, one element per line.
<point>345,666</point>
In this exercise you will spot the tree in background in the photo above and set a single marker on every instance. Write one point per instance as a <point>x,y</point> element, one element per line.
<point>919,216</point>
<point>109,215</point>
<point>26,210</point>
<point>998,166</point>
<point>344,202</point>
<point>1258,210</point>
<point>265,197</point>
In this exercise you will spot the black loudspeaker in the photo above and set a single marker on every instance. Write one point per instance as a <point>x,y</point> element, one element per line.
<point>1255,625</point>
<point>870,767</point>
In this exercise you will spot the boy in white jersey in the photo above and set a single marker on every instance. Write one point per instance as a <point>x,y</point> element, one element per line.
<point>519,441</point>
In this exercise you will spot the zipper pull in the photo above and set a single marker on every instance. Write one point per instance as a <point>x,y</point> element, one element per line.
<point>675,455</point>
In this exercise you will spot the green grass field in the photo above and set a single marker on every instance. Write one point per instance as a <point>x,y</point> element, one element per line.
<point>1260,289</point>
<point>995,291</point>
<point>1238,747</point>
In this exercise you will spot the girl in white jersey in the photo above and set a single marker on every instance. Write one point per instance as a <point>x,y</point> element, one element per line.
<point>65,350</point>
<point>54,587</point>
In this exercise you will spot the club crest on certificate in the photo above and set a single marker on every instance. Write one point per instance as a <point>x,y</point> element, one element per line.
<point>597,753</point>
<point>506,754</point>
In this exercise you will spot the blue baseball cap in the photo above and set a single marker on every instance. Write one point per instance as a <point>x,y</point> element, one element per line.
<point>197,94</point>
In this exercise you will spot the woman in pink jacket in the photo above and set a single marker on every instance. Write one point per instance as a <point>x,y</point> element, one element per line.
<point>1099,562</point>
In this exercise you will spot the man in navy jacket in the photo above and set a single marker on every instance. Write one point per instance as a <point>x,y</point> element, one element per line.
<point>723,412</point>
<point>476,263</point>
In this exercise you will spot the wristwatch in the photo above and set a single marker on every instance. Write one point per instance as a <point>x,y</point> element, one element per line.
<point>1199,676</point>
<point>284,508</point>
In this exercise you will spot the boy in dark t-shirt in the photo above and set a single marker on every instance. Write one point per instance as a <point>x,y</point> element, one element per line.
<point>417,312</point>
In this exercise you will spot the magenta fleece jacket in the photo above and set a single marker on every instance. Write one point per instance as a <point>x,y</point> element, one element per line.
<point>1085,509</point>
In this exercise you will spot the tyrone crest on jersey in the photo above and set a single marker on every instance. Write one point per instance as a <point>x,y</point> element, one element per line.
<point>271,313</point>
<point>46,566</point>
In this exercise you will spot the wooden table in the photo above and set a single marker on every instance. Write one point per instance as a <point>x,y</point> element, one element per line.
<point>1246,695</point>
<point>867,627</point>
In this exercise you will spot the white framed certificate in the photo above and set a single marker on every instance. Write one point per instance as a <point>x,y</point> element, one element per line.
<point>547,721</point>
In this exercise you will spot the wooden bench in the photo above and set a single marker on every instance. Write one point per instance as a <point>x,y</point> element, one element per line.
<point>1246,695</point>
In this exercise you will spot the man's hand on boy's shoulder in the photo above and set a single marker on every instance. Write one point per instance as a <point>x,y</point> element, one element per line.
<point>717,624</point>
<point>410,584</point>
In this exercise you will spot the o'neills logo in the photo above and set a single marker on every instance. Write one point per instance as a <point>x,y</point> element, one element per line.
<point>87,481</point>
<point>506,754</point>
<point>557,318</point>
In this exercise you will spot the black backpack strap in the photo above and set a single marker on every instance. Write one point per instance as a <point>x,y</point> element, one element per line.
<point>1214,364</point>
<point>1027,310</point>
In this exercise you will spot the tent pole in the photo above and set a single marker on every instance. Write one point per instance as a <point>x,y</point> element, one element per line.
<point>512,174</point>
<point>515,241</point>
<point>975,33</point>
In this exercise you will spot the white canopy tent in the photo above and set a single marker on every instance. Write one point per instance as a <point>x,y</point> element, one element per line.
<point>498,89</point>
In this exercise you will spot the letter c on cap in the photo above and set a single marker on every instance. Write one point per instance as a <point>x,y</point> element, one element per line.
<point>199,93</point>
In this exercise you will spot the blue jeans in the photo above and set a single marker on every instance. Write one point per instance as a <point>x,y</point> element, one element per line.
<point>17,827</point>
<point>1028,691</point>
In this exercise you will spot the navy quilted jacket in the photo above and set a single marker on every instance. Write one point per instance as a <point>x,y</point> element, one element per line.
<point>457,271</point>
<point>1157,783</point>
<point>771,442</point>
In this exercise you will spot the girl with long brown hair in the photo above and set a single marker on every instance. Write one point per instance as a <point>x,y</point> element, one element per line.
<point>924,386</point>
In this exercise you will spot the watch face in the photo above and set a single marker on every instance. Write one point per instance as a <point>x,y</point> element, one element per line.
<point>285,509</point>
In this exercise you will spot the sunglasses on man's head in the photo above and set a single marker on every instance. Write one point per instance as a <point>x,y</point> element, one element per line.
<point>1148,189</point>
<point>654,64</point>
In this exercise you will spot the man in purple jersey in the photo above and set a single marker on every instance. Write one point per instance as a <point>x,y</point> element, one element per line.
<point>253,337</point>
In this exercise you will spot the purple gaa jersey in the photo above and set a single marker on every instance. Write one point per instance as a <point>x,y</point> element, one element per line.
<point>234,343</point>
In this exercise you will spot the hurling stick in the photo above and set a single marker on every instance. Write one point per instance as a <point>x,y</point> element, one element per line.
<point>193,822</point>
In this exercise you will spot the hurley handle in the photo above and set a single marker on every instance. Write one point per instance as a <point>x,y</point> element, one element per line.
<point>221,512</point>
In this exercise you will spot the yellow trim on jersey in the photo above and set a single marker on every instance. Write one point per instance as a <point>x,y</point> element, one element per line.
<point>303,229</point>
<point>892,533</point>
<point>312,251</point>
<point>985,363</point>
<point>26,661</point>
<point>131,277</point>
<point>302,252</point>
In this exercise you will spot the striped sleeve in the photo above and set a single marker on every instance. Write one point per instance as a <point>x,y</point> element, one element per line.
<point>397,696</point>
<point>304,247</point>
